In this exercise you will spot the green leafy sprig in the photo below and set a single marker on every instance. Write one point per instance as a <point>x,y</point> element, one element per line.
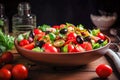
<point>6,42</point>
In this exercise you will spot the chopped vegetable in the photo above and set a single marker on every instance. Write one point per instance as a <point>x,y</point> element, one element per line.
<point>80,26</point>
<point>95,32</point>
<point>63,38</point>
<point>44,27</point>
<point>52,36</point>
<point>37,49</point>
<point>20,37</point>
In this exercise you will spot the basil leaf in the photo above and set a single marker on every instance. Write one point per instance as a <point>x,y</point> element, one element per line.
<point>7,41</point>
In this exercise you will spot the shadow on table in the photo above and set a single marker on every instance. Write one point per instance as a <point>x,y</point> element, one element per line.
<point>97,78</point>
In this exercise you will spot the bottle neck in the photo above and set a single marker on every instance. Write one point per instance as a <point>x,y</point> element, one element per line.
<point>24,9</point>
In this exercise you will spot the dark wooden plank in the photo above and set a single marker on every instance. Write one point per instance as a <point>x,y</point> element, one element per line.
<point>46,72</point>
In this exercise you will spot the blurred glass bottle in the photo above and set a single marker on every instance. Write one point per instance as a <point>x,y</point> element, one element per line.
<point>4,23</point>
<point>23,21</point>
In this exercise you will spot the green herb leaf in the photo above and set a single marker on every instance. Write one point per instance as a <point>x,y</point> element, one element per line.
<point>44,27</point>
<point>96,45</point>
<point>80,26</point>
<point>95,32</point>
<point>105,42</point>
<point>6,41</point>
<point>52,36</point>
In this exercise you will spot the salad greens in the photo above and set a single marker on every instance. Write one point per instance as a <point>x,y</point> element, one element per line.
<point>44,27</point>
<point>95,32</point>
<point>6,42</point>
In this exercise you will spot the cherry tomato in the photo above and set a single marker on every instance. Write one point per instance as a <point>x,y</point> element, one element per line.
<point>49,48</point>
<point>71,35</point>
<point>24,42</point>
<point>46,45</point>
<point>70,48</point>
<point>7,57</point>
<point>56,26</point>
<point>5,74</point>
<point>78,48</point>
<point>20,72</point>
<point>8,66</point>
<point>37,31</point>
<point>29,46</point>
<point>87,46</point>
<point>103,70</point>
<point>101,36</point>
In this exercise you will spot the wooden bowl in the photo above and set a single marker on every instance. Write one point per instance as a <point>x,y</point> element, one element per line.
<point>63,59</point>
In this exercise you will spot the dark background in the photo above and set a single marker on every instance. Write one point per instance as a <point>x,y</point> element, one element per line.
<point>61,11</point>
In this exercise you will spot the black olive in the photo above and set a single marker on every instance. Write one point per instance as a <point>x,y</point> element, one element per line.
<point>39,43</point>
<point>87,38</point>
<point>31,34</point>
<point>79,39</point>
<point>100,41</point>
<point>63,31</point>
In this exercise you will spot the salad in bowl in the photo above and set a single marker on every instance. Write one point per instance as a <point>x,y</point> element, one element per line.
<point>62,45</point>
<point>63,38</point>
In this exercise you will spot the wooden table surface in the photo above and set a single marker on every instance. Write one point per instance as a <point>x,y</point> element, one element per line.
<point>46,72</point>
<point>85,72</point>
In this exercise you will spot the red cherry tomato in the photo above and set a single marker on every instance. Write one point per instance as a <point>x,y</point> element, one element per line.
<point>78,48</point>
<point>103,70</point>
<point>29,46</point>
<point>37,31</point>
<point>71,36</point>
<point>5,74</point>
<point>56,26</point>
<point>49,48</point>
<point>20,72</point>
<point>7,57</point>
<point>70,48</point>
<point>86,45</point>
<point>24,42</point>
<point>46,45</point>
<point>8,66</point>
<point>101,36</point>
